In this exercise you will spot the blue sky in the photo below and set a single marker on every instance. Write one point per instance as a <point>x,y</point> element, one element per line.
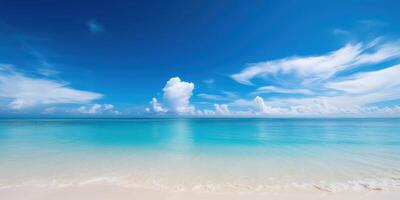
<point>201,58</point>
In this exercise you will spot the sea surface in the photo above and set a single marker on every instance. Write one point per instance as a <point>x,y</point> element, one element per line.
<point>206,155</point>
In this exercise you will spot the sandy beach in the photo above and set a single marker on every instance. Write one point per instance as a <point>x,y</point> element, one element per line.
<point>121,193</point>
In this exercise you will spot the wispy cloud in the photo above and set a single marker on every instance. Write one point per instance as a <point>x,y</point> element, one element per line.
<point>94,26</point>
<point>213,97</point>
<point>43,65</point>
<point>273,89</point>
<point>221,96</point>
<point>345,82</point>
<point>323,67</point>
<point>339,31</point>
<point>209,81</point>
<point>372,23</point>
<point>350,81</point>
<point>22,91</point>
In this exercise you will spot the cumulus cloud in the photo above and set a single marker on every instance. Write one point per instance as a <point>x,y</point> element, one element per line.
<point>177,94</point>
<point>156,106</point>
<point>97,109</point>
<point>176,98</point>
<point>348,82</point>
<point>260,107</point>
<point>222,109</point>
<point>22,91</point>
<point>310,108</point>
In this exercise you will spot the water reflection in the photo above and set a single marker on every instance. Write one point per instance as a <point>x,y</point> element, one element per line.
<point>180,135</point>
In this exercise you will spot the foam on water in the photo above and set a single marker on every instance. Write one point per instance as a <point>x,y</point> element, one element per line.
<point>354,185</point>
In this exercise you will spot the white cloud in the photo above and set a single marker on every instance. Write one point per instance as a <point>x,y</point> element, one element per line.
<point>273,89</point>
<point>177,95</point>
<point>211,97</point>
<point>310,108</point>
<point>262,108</point>
<point>322,67</point>
<point>224,96</point>
<point>94,26</point>
<point>156,106</point>
<point>22,91</point>
<point>222,109</point>
<point>345,82</point>
<point>97,109</point>
<point>176,99</point>
<point>387,79</point>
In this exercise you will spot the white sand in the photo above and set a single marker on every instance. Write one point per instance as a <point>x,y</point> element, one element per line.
<point>123,193</point>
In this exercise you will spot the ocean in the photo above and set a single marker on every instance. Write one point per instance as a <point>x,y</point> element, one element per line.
<point>206,155</point>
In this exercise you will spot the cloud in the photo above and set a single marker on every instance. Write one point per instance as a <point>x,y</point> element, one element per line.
<point>156,107</point>
<point>338,31</point>
<point>375,81</point>
<point>323,67</point>
<point>177,94</point>
<point>97,109</point>
<point>372,23</point>
<point>50,110</point>
<point>224,96</point>
<point>47,72</point>
<point>273,89</point>
<point>222,109</point>
<point>367,87</point>
<point>311,108</point>
<point>176,99</point>
<point>95,27</point>
<point>22,91</point>
<point>209,81</point>
<point>45,67</point>
<point>219,110</point>
<point>211,97</point>
<point>260,107</point>
<point>350,81</point>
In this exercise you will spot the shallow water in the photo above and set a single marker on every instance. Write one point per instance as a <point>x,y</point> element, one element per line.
<point>202,154</point>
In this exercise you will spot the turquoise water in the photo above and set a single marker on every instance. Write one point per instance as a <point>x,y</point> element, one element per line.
<point>202,154</point>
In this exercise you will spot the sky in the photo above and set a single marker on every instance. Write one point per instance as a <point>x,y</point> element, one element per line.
<point>200,58</point>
